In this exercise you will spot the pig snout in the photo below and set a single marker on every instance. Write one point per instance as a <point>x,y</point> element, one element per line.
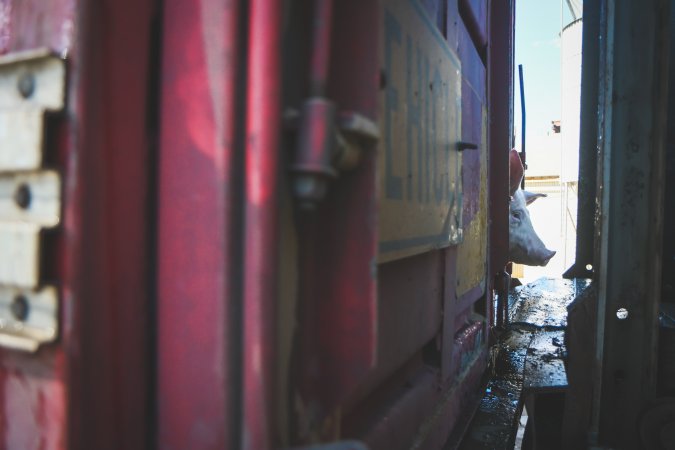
<point>542,257</point>
<point>525,246</point>
<point>529,250</point>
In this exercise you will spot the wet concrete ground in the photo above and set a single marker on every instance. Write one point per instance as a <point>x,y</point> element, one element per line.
<point>528,358</point>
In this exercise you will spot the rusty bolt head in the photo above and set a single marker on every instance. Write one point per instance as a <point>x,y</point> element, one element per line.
<point>20,308</point>
<point>22,196</point>
<point>309,189</point>
<point>26,85</point>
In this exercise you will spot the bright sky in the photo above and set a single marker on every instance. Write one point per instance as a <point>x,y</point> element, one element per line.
<point>538,28</point>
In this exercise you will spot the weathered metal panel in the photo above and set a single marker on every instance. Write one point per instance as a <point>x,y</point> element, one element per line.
<point>579,339</point>
<point>474,15</point>
<point>107,231</point>
<point>669,195</point>
<point>500,119</point>
<point>58,398</point>
<point>472,252</point>
<point>409,313</point>
<point>632,128</point>
<point>454,407</point>
<point>34,388</point>
<point>337,329</point>
<point>396,424</point>
<point>419,165</point>
<point>412,410</point>
<point>197,185</point>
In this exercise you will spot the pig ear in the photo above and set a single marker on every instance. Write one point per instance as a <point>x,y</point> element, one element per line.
<point>531,196</point>
<point>515,171</point>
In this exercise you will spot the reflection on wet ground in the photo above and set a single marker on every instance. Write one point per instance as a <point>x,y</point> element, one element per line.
<point>528,357</point>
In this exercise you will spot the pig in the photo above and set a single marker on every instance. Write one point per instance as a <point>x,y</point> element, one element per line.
<point>525,247</point>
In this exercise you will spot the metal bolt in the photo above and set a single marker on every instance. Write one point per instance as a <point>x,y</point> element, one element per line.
<point>22,196</point>
<point>622,314</point>
<point>26,85</point>
<point>20,307</point>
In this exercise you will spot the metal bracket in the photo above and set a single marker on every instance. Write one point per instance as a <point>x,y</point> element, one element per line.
<point>328,143</point>
<point>28,318</point>
<point>32,85</point>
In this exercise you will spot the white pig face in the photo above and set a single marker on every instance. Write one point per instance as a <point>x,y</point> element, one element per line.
<point>525,246</point>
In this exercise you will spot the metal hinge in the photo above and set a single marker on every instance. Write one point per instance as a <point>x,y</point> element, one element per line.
<point>32,84</point>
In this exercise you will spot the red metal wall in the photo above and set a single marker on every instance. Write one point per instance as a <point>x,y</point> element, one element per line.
<point>90,389</point>
<point>396,365</point>
<point>200,306</point>
<point>197,333</point>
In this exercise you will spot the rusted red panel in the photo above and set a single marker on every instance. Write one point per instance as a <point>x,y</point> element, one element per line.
<point>196,189</point>
<point>410,295</point>
<point>398,424</point>
<point>409,307</point>
<point>28,24</point>
<point>450,311</point>
<point>33,399</point>
<point>455,407</point>
<point>108,235</point>
<point>415,411</point>
<point>338,266</point>
<point>468,342</point>
<point>473,251</point>
<point>33,388</point>
<point>90,389</point>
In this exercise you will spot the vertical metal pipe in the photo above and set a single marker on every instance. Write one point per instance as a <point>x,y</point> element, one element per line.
<point>261,222</point>
<point>501,21</point>
<point>523,122</point>
<point>632,149</point>
<point>323,15</point>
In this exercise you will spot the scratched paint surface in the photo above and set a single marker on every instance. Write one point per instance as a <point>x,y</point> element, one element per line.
<point>419,167</point>
<point>473,250</point>
<point>33,389</point>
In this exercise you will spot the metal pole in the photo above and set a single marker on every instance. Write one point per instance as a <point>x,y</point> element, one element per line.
<point>523,115</point>
<point>261,221</point>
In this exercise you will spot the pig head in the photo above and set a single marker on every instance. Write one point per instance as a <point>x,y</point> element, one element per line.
<point>525,247</point>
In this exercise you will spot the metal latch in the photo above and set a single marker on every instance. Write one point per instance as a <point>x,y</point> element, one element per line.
<point>32,85</point>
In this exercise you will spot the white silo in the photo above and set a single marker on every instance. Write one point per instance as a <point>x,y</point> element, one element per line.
<point>571,98</point>
<point>571,42</point>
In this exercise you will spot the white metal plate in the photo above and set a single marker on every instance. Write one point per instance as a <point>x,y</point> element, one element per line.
<point>20,254</point>
<point>21,134</point>
<point>44,197</point>
<point>22,111</point>
<point>48,72</point>
<point>40,324</point>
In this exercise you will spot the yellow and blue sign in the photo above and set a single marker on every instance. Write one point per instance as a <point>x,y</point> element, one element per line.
<point>420,177</point>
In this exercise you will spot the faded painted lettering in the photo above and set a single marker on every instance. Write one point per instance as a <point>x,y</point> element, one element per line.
<point>419,167</point>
